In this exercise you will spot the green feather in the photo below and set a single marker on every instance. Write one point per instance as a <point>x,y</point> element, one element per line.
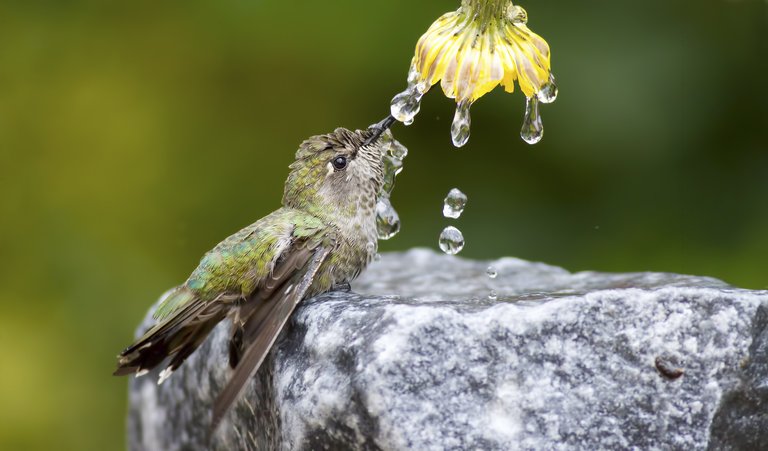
<point>172,301</point>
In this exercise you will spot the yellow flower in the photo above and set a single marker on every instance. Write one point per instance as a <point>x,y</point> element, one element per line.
<point>472,50</point>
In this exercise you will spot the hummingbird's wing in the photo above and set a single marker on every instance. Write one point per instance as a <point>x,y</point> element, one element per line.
<point>231,272</point>
<point>273,304</point>
<point>177,336</point>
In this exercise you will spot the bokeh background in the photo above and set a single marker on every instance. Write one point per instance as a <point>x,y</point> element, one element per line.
<point>136,135</point>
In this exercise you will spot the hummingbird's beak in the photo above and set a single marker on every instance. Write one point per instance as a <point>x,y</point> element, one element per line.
<point>378,129</point>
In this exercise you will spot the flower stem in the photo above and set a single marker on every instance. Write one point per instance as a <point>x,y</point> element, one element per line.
<point>485,10</point>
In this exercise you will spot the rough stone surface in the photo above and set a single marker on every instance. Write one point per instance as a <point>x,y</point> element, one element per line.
<point>426,360</point>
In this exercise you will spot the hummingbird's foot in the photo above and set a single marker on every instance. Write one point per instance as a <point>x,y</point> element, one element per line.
<point>345,287</point>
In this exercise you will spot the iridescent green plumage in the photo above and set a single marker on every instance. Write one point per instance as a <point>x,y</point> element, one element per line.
<point>321,237</point>
<point>237,263</point>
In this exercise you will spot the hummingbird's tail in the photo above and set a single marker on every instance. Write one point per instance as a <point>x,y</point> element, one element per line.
<point>176,336</point>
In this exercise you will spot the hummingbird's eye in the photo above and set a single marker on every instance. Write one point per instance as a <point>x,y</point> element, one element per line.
<point>339,162</point>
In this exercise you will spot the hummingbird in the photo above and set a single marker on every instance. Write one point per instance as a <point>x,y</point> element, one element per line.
<point>321,238</point>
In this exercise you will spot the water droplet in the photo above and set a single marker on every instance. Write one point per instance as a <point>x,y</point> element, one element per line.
<point>392,167</point>
<point>454,203</point>
<point>405,106</point>
<point>451,240</point>
<point>422,87</point>
<point>377,257</point>
<point>387,219</point>
<point>548,92</point>
<point>370,247</point>
<point>533,129</point>
<point>491,272</point>
<point>517,15</point>
<point>413,75</point>
<point>493,295</point>
<point>460,125</point>
<point>398,150</point>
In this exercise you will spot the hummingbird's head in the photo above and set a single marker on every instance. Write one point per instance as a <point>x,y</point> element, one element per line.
<point>337,175</point>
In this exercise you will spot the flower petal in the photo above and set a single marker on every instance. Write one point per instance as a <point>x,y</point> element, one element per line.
<point>470,52</point>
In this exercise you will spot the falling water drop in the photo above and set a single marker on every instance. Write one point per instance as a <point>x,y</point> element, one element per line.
<point>533,129</point>
<point>491,272</point>
<point>370,247</point>
<point>548,92</point>
<point>451,240</point>
<point>460,126</point>
<point>454,203</point>
<point>387,219</point>
<point>493,295</point>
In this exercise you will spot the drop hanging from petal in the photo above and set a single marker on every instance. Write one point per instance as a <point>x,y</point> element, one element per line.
<point>406,105</point>
<point>532,130</point>
<point>461,123</point>
<point>548,92</point>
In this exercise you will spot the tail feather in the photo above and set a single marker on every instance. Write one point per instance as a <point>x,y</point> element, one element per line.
<point>177,336</point>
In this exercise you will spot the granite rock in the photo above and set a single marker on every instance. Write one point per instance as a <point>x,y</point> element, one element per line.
<point>421,356</point>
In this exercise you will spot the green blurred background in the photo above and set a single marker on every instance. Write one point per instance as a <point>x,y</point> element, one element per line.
<point>136,135</point>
